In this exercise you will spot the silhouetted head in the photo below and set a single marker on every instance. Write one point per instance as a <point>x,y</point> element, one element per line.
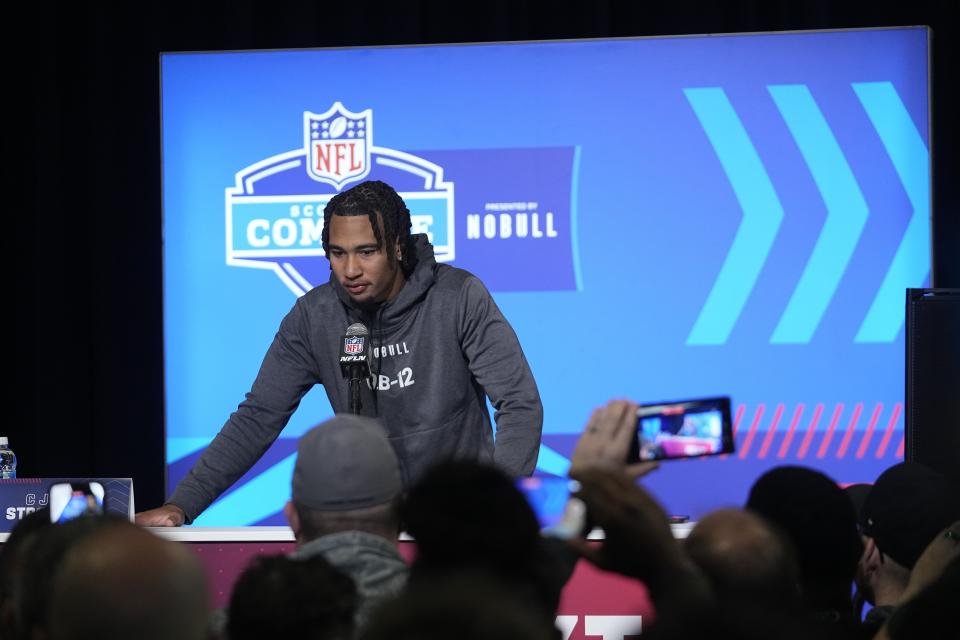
<point>821,523</point>
<point>466,606</point>
<point>747,560</point>
<point>13,555</point>
<point>906,508</point>
<point>125,582</point>
<point>281,597</point>
<point>467,516</point>
<point>41,556</point>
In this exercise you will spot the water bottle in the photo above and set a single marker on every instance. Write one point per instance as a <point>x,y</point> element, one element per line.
<point>8,460</point>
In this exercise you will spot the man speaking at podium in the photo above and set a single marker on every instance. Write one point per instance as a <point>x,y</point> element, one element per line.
<point>440,346</point>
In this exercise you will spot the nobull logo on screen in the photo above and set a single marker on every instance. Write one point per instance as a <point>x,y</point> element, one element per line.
<point>274,211</point>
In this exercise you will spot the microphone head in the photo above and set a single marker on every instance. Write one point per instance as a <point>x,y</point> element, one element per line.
<point>358,329</point>
<point>355,351</point>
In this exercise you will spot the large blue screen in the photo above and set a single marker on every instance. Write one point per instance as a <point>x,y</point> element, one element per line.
<point>659,219</point>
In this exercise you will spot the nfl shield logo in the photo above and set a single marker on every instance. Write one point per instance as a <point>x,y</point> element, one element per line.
<point>353,345</point>
<point>338,144</point>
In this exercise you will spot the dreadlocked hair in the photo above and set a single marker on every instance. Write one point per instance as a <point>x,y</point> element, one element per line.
<point>388,216</point>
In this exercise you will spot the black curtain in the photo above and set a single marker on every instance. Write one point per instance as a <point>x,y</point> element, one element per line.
<point>81,87</point>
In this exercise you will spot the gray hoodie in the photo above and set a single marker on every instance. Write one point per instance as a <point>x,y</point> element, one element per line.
<point>440,347</point>
<point>372,562</point>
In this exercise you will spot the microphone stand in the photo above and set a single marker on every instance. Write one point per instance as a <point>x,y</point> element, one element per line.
<point>354,393</point>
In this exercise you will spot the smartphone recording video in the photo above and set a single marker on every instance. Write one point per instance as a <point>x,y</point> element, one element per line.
<point>69,500</point>
<point>548,497</point>
<point>684,429</point>
<point>560,515</point>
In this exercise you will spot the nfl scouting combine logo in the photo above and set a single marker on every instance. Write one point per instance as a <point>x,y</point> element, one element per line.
<point>274,211</point>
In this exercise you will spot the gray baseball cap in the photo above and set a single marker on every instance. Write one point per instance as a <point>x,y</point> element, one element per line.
<point>345,463</point>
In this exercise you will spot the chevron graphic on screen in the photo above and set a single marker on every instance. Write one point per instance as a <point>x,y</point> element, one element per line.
<point>511,223</point>
<point>910,157</point>
<point>847,213</point>
<point>762,214</point>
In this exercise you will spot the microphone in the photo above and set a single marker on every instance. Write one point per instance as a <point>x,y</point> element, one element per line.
<point>355,355</point>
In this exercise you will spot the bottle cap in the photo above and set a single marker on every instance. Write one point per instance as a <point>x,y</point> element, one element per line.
<point>3,441</point>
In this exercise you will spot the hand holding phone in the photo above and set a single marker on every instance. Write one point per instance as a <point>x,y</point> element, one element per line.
<point>607,440</point>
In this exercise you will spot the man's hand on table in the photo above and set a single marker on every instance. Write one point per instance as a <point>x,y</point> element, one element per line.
<point>169,515</point>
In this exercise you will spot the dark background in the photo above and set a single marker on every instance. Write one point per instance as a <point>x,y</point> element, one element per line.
<point>82,144</point>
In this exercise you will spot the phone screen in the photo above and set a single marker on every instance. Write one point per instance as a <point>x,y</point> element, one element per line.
<point>684,429</point>
<point>560,514</point>
<point>548,496</point>
<point>69,500</point>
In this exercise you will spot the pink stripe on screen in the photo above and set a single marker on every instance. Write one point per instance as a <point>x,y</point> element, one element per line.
<point>845,443</point>
<point>865,441</point>
<point>882,449</point>
<point>771,431</point>
<point>753,430</point>
<point>785,446</point>
<point>812,429</point>
<point>829,435</point>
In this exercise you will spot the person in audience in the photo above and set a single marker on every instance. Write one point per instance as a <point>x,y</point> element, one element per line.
<point>41,557</point>
<point>820,521</point>
<point>928,608</point>
<point>462,605</point>
<point>638,541</point>
<point>467,516</point>
<point>281,597</point>
<point>122,582</point>
<point>346,493</point>
<point>746,560</point>
<point>639,544</point>
<point>902,513</point>
<point>12,558</point>
<point>473,527</point>
<point>752,569</point>
<point>858,494</point>
<point>693,600</point>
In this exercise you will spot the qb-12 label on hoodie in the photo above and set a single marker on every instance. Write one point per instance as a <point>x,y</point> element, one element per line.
<point>507,215</point>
